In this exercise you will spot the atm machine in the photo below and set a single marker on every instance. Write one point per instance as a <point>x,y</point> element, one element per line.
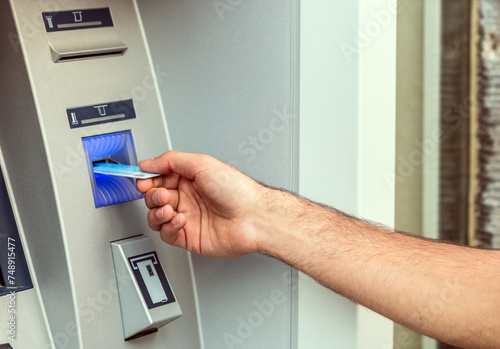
<point>78,88</point>
<point>116,81</point>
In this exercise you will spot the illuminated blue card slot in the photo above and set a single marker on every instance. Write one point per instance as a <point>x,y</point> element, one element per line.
<point>114,148</point>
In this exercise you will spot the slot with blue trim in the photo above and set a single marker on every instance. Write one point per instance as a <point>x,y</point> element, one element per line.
<point>117,148</point>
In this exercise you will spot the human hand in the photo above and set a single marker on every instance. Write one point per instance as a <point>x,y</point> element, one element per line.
<point>202,204</point>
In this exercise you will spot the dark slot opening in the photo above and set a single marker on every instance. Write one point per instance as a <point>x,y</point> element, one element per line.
<point>105,161</point>
<point>80,56</point>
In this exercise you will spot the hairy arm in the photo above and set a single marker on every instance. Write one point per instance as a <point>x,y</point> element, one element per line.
<point>446,291</point>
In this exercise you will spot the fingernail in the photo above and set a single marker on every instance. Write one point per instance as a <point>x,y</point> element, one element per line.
<point>159,213</point>
<point>144,162</point>
<point>157,198</point>
<point>175,220</point>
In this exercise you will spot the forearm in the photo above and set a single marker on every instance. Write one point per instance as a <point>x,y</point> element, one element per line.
<point>442,290</point>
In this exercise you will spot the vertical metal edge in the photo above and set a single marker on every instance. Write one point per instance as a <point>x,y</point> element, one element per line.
<point>36,138</point>
<point>153,74</point>
<point>295,156</point>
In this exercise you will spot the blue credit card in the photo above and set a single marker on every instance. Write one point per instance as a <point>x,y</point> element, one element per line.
<point>122,170</point>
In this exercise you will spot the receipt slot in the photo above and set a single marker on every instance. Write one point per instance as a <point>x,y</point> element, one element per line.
<point>146,298</point>
<point>78,88</point>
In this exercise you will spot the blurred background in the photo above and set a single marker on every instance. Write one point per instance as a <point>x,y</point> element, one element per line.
<point>447,152</point>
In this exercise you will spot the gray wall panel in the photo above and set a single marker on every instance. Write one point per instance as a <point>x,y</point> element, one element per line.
<point>230,80</point>
<point>227,71</point>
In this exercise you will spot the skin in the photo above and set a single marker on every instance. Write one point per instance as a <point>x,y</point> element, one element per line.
<point>445,291</point>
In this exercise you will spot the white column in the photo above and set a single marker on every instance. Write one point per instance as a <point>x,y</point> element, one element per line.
<point>377,136</point>
<point>347,141</point>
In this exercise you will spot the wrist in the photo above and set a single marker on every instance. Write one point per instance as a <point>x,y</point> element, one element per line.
<point>275,222</point>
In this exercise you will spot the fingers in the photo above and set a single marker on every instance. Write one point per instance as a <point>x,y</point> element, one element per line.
<point>169,231</point>
<point>159,216</point>
<point>168,181</point>
<point>143,185</point>
<point>157,197</point>
<point>184,164</point>
<point>162,195</point>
